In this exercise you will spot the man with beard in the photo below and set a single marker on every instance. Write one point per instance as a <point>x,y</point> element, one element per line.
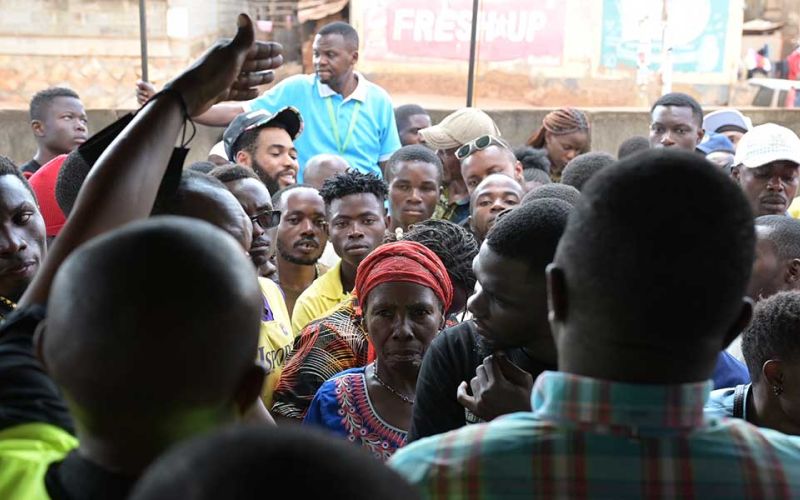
<point>300,238</point>
<point>263,142</point>
<point>509,330</point>
<point>354,204</point>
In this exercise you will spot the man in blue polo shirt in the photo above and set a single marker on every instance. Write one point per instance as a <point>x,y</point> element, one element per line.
<point>343,113</point>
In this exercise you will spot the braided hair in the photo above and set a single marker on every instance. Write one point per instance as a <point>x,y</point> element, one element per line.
<point>560,122</point>
<point>453,244</point>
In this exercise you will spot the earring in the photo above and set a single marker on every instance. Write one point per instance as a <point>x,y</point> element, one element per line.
<point>777,390</point>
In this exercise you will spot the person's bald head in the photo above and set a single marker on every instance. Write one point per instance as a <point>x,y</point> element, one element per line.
<point>203,197</point>
<point>321,167</point>
<point>152,332</point>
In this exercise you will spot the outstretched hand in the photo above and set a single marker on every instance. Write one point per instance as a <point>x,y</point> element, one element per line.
<point>499,387</point>
<point>229,71</point>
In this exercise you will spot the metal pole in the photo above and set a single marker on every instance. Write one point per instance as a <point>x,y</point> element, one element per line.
<point>143,38</point>
<point>473,41</point>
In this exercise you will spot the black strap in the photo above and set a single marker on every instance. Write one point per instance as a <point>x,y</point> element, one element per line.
<point>738,401</point>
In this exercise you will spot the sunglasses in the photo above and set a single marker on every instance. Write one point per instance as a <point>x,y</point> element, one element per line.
<point>479,144</point>
<point>267,219</point>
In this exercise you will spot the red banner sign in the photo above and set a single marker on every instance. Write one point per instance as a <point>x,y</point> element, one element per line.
<point>440,29</point>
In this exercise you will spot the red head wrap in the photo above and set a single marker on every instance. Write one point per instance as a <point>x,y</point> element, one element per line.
<point>406,261</point>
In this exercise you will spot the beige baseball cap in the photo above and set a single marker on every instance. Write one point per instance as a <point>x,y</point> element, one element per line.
<point>767,143</point>
<point>459,127</point>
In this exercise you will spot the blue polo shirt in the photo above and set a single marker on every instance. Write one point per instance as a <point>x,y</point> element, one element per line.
<point>367,132</point>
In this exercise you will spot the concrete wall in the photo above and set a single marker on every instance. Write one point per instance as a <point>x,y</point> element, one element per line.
<point>609,127</point>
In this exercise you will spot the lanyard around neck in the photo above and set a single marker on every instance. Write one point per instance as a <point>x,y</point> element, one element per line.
<point>335,124</point>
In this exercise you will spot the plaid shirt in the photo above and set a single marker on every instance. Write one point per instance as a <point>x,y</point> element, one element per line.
<point>589,438</point>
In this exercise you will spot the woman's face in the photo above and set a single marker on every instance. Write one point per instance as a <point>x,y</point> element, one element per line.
<point>562,148</point>
<point>401,320</point>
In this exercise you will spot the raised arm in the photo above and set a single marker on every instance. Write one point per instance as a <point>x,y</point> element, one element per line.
<point>123,184</point>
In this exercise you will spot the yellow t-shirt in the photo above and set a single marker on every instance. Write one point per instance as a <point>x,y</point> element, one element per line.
<point>794,208</point>
<point>319,299</point>
<point>26,452</point>
<point>275,339</point>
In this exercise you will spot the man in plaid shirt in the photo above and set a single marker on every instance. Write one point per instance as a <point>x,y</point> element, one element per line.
<point>641,303</point>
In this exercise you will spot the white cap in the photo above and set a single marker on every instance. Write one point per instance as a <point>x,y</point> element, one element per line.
<point>767,143</point>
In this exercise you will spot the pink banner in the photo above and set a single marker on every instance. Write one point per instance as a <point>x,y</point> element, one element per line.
<point>440,29</point>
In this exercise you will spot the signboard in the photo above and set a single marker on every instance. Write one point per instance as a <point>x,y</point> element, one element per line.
<point>697,32</point>
<point>508,30</point>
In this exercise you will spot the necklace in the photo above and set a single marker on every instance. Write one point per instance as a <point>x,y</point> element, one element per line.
<point>388,387</point>
<point>10,303</point>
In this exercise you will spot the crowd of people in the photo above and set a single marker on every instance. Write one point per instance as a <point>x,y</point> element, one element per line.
<point>356,301</point>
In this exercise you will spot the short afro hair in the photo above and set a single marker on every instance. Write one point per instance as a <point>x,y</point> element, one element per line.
<point>172,202</point>
<point>631,254</point>
<point>70,179</point>
<point>530,232</point>
<point>402,114</point>
<point>532,159</point>
<point>231,464</point>
<point>352,182</point>
<point>633,145</point>
<point>784,232</point>
<point>7,167</point>
<point>453,244</point>
<point>772,333</point>
<point>536,175</point>
<point>44,98</point>
<point>581,168</point>
<point>681,100</point>
<point>412,153</point>
<point>553,191</point>
<point>203,167</point>
<point>232,173</point>
<point>346,31</point>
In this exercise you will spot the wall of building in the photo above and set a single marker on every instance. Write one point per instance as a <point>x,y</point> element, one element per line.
<point>548,53</point>
<point>609,127</point>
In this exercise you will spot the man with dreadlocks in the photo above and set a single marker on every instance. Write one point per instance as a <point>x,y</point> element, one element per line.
<point>564,134</point>
<point>337,342</point>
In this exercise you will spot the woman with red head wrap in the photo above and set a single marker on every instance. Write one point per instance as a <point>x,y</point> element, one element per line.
<point>564,134</point>
<point>403,290</point>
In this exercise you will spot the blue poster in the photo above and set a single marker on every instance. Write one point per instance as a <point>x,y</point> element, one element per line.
<point>633,34</point>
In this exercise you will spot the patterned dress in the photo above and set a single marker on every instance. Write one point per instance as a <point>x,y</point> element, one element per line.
<point>342,406</point>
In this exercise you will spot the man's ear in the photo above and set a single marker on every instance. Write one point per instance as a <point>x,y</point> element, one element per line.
<point>518,175</point>
<point>243,158</point>
<point>249,388</point>
<point>38,128</point>
<point>745,315</point>
<point>792,277</point>
<point>556,293</point>
<point>701,132</point>
<point>772,371</point>
<point>735,172</point>
<point>354,55</point>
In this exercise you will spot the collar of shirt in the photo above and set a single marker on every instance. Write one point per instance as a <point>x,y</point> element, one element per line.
<point>359,94</point>
<point>582,401</point>
<point>330,283</point>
